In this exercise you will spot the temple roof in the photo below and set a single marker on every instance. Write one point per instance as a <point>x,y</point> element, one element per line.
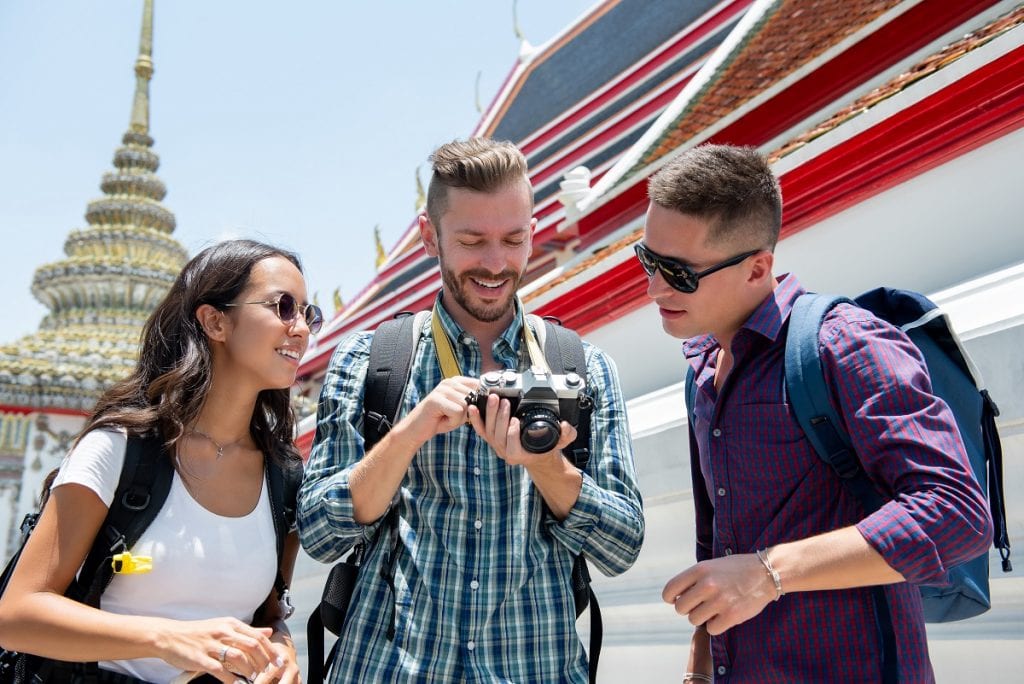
<point>569,103</point>
<point>788,35</point>
<point>114,273</point>
<point>861,158</point>
<point>784,52</point>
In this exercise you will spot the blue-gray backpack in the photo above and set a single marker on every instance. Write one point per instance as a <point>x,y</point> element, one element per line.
<point>954,380</point>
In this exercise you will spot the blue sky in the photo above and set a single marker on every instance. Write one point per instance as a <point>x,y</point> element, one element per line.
<point>299,123</point>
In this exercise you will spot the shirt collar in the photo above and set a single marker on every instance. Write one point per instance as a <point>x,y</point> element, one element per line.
<point>455,332</point>
<point>766,320</point>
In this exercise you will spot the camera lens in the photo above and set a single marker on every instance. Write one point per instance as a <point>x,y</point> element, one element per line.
<point>539,429</point>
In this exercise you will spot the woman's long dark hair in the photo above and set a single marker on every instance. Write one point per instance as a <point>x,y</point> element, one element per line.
<point>167,389</point>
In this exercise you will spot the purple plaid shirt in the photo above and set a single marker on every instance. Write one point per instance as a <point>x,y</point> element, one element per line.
<point>763,484</point>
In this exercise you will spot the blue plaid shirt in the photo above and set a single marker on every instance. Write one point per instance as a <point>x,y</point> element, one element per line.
<point>482,578</point>
<point>764,485</point>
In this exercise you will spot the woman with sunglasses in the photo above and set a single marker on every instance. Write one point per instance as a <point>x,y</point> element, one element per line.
<point>218,357</point>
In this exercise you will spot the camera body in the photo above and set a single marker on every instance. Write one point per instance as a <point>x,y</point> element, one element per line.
<point>539,400</point>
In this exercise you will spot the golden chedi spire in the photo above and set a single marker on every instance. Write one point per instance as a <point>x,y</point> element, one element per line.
<point>116,271</point>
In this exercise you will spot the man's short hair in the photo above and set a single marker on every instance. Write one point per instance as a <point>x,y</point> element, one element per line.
<point>479,164</point>
<point>731,187</point>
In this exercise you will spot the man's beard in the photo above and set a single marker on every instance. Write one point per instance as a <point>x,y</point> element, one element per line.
<point>485,313</point>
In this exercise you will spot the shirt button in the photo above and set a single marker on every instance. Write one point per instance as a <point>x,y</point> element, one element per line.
<point>470,645</point>
<point>721,669</point>
<point>474,585</point>
<point>478,524</point>
<point>721,491</point>
<point>716,433</point>
<point>476,470</point>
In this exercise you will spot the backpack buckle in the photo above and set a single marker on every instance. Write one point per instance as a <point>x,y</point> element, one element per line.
<point>379,422</point>
<point>135,500</point>
<point>845,466</point>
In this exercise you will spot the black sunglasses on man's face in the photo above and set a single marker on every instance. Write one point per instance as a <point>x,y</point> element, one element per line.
<point>678,275</point>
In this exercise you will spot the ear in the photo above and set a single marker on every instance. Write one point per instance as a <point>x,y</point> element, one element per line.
<point>213,321</point>
<point>761,265</point>
<point>428,234</point>
<point>533,229</point>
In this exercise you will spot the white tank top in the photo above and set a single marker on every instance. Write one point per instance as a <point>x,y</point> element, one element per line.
<point>204,565</point>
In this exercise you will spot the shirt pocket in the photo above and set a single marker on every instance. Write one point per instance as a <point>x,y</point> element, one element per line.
<point>769,449</point>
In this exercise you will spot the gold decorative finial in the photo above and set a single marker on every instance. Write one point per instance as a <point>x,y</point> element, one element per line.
<point>421,196</point>
<point>339,304</point>
<point>381,255</point>
<point>515,21</point>
<point>143,72</point>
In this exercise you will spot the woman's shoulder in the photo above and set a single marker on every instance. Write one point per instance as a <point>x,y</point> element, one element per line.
<point>95,462</point>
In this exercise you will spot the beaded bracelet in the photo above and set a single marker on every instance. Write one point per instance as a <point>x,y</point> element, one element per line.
<point>762,555</point>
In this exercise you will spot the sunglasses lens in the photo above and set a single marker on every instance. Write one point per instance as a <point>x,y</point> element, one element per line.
<point>678,276</point>
<point>314,318</point>
<point>683,281</point>
<point>286,306</point>
<point>644,257</point>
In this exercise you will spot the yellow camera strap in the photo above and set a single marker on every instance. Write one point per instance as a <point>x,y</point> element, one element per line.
<point>446,353</point>
<point>537,360</point>
<point>443,347</point>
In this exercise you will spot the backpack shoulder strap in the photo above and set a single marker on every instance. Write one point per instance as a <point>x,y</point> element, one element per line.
<point>563,350</point>
<point>283,480</point>
<point>809,396</point>
<point>391,351</point>
<point>141,491</point>
<point>690,394</point>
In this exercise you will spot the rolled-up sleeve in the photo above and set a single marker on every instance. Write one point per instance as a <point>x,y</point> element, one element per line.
<point>327,527</point>
<point>909,445</point>
<point>607,522</point>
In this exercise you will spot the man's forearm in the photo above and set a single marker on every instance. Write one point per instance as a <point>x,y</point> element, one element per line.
<point>558,482</point>
<point>375,479</point>
<point>840,559</point>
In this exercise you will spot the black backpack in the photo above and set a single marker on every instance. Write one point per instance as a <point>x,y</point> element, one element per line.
<point>143,487</point>
<point>391,351</point>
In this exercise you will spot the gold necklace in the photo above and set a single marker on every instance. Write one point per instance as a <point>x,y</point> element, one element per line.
<point>217,445</point>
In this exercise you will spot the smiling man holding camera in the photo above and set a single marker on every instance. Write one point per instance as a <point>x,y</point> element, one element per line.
<point>488,528</point>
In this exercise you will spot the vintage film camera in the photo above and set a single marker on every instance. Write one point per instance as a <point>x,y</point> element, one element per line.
<point>539,400</point>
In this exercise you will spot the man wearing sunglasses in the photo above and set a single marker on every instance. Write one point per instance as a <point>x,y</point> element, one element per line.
<point>786,556</point>
<point>488,532</point>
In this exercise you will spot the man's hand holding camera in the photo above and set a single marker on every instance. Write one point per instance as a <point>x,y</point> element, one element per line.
<point>501,431</point>
<point>442,410</point>
<point>518,417</point>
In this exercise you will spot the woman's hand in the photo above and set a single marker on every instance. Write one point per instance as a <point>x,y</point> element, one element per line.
<point>226,648</point>
<point>288,672</point>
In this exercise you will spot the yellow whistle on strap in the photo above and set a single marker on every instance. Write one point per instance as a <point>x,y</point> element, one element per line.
<point>127,564</point>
